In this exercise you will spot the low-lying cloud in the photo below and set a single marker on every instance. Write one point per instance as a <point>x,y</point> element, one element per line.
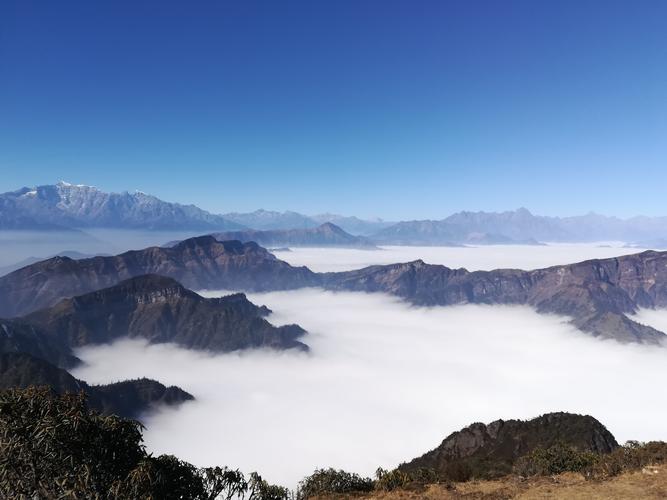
<point>472,258</point>
<point>384,383</point>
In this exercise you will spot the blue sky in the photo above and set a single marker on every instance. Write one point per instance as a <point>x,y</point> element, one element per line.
<point>411,109</point>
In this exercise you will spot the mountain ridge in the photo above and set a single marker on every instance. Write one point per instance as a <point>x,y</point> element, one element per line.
<point>197,263</point>
<point>159,309</point>
<point>596,294</point>
<point>324,235</point>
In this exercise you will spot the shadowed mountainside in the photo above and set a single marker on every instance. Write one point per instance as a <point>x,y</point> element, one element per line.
<point>159,309</point>
<point>128,399</point>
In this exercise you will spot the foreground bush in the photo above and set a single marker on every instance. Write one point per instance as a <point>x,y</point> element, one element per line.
<point>55,447</point>
<point>330,481</point>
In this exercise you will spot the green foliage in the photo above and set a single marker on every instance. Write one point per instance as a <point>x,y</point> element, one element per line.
<point>259,489</point>
<point>390,480</point>
<point>630,457</point>
<point>328,481</point>
<point>54,447</point>
<point>556,459</point>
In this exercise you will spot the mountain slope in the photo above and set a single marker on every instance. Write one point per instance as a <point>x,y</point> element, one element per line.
<point>596,294</point>
<point>197,263</point>
<point>325,235</point>
<point>159,309</point>
<point>78,206</point>
<point>491,450</point>
<point>17,336</point>
<point>127,399</point>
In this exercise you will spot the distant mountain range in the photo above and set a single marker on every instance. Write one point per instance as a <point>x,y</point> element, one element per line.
<point>68,207</point>
<point>325,235</point>
<point>65,205</point>
<point>521,226</point>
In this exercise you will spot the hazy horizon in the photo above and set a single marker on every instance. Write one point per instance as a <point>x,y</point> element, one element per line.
<point>372,215</point>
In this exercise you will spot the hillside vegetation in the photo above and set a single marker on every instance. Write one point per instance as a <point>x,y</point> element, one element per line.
<point>54,446</point>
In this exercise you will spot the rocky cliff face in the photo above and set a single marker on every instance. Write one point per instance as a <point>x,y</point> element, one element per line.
<point>499,444</point>
<point>159,309</point>
<point>127,399</point>
<point>596,294</point>
<point>197,263</point>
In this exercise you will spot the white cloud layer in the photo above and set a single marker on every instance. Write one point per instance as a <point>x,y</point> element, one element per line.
<point>472,258</point>
<point>385,382</point>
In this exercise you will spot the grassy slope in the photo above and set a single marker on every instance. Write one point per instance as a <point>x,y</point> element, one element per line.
<point>649,484</point>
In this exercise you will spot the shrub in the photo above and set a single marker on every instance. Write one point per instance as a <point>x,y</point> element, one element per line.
<point>259,489</point>
<point>391,480</point>
<point>632,456</point>
<point>556,459</point>
<point>327,481</point>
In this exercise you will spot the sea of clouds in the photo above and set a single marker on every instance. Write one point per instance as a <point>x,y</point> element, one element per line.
<point>384,383</point>
<point>472,258</point>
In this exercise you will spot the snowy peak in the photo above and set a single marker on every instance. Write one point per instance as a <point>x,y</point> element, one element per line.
<point>80,206</point>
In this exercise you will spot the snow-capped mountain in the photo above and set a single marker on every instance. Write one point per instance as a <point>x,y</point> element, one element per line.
<point>79,206</point>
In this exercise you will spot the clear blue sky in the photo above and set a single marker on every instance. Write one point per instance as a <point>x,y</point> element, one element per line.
<point>411,109</point>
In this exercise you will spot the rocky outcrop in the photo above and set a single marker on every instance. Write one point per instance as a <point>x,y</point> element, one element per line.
<point>596,294</point>
<point>492,449</point>
<point>129,399</point>
<point>197,263</point>
<point>159,309</point>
